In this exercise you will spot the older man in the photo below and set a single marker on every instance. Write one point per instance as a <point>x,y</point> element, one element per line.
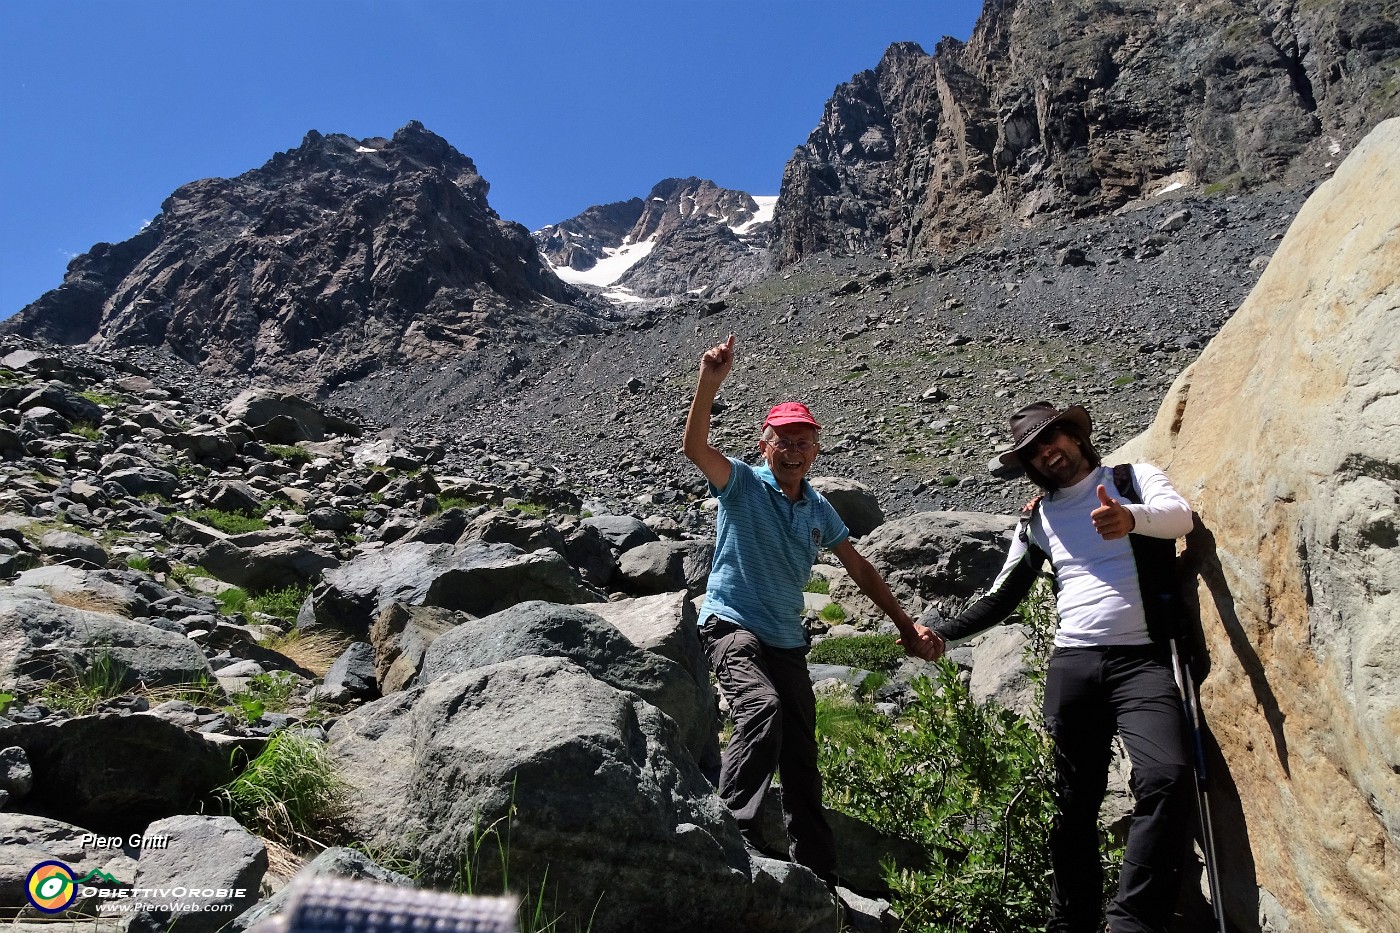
<point>1111,669</point>
<point>771,526</point>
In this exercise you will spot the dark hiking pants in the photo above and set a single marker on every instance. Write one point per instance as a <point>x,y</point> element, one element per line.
<point>774,709</point>
<point>1090,693</point>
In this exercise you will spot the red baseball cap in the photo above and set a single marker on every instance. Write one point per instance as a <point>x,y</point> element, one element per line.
<point>789,413</point>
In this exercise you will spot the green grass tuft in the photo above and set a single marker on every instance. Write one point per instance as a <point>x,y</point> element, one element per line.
<point>867,652</point>
<point>290,792</point>
<point>231,523</point>
<point>818,584</point>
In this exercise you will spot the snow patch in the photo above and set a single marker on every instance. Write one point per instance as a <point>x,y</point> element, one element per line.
<point>608,269</point>
<point>365,149</point>
<point>766,204</point>
<point>1172,187</point>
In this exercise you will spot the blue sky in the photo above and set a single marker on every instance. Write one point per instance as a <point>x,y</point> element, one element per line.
<point>106,106</point>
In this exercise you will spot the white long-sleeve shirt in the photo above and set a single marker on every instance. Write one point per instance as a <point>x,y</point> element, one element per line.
<point>1099,599</point>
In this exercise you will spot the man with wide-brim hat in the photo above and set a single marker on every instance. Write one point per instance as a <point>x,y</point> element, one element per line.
<point>1111,671</point>
<point>771,526</point>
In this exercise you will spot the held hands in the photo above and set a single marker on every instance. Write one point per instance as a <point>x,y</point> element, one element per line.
<point>1111,519</point>
<point>923,642</point>
<point>717,361</point>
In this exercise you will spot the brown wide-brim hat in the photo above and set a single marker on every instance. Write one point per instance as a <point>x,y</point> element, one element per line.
<point>1027,424</point>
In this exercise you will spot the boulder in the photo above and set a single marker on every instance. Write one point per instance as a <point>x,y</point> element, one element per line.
<point>114,774</point>
<point>27,840</point>
<point>623,532</point>
<point>78,550</point>
<point>551,630</point>
<point>1285,438</point>
<point>475,578</point>
<point>283,417</point>
<point>235,496</point>
<point>853,501</point>
<point>605,808</point>
<point>41,641</point>
<point>217,862</point>
<point>401,635</point>
<point>500,527</point>
<point>86,589</point>
<point>941,559</point>
<point>999,672</point>
<point>664,566</point>
<point>591,555</point>
<point>267,560</point>
<point>335,862</point>
<point>350,676</point>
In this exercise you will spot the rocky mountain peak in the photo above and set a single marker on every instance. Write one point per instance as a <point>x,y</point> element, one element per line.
<point>328,261</point>
<point>1075,108</point>
<point>688,235</point>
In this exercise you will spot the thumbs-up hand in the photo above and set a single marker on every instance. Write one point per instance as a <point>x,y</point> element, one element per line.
<point>1111,519</point>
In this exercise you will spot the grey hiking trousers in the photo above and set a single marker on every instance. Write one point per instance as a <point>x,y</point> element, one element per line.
<point>770,696</point>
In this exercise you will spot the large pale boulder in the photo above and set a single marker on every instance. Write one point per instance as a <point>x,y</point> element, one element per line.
<point>1285,437</point>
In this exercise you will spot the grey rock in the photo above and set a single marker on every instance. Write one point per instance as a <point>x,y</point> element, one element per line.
<point>41,640</point>
<point>937,558</point>
<point>285,417</point>
<point>351,676</point>
<point>473,578</point>
<point>664,566</point>
<point>114,774</point>
<point>623,532</point>
<point>232,496</point>
<point>853,501</point>
<point>213,855</point>
<point>16,775</point>
<point>141,481</point>
<point>335,862</point>
<point>591,555</point>
<point>77,549</point>
<point>550,630</point>
<point>401,635</point>
<point>999,671</point>
<point>267,560</point>
<point>600,787</point>
<point>528,534</point>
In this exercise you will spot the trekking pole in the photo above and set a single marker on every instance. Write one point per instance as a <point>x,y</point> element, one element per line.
<point>1190,705</point>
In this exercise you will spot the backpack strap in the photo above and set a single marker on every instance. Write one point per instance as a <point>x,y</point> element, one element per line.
<point>1155,559</point>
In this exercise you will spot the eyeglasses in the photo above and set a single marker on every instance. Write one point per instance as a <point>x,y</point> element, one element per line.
<point>783,443</point>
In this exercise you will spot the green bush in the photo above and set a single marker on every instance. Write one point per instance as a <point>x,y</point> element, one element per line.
<point>289,793</point>
<point>832,612</point>
<point>968,782</point>
<point>818,584</point>
<point>867,652</point>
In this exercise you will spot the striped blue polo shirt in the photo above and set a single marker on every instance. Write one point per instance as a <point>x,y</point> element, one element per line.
<point>765,546</point>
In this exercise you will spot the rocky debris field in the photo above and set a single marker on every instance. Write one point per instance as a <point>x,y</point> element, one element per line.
<point>183,587</point>
<point>913,368</point>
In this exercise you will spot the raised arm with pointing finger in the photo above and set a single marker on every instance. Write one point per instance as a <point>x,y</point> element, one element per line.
<point>770,527</point>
